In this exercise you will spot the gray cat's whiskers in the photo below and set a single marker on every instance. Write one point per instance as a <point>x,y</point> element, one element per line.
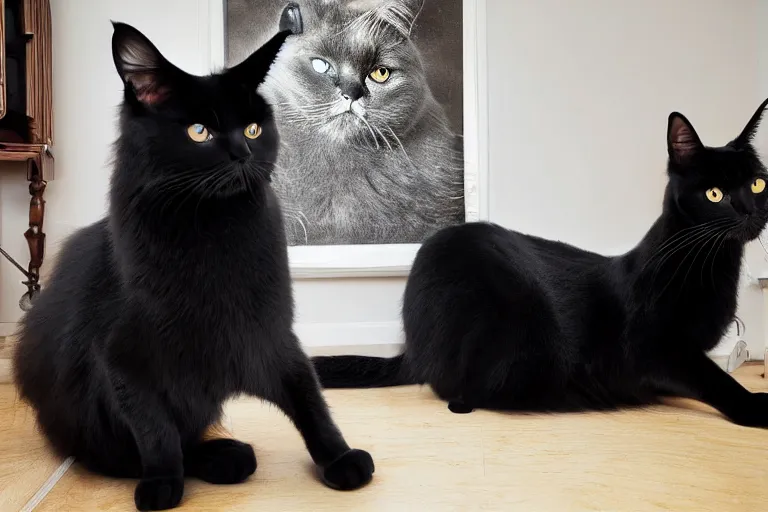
<point>378,130</point>
<point>297,215</point>
<point>400,143</point>
<point>362,118</point>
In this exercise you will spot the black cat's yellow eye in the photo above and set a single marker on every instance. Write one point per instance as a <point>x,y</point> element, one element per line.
<point>380,75</point>
<point>758,185</point>
<point>715,195</point>
<point>199,133</point>
<point>252,131</point>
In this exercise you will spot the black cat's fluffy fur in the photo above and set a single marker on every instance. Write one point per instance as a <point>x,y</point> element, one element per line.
<point>181,297</point>
<point>501,320</point>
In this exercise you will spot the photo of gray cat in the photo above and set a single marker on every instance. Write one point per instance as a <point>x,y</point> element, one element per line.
<point>367,96</point>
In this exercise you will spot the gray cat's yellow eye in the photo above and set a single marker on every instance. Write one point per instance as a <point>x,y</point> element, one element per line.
<point>252,131</point>
<point>199,133</point>
<point>320,65</point>
<point>714,194</point>
<point>758,185</point>
<point>380,75</point>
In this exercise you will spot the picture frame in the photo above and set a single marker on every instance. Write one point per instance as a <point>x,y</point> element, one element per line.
<point>392,260</point>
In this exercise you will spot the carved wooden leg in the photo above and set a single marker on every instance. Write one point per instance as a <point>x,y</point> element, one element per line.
<point>35,235</point>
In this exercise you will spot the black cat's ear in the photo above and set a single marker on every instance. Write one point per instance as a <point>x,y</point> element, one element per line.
<point>291,19</point>
<point>140,65</point>
<point>254,69</point>
<point>682,141</point>
<point>748,133</point>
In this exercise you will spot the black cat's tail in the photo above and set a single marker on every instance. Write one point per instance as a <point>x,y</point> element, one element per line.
<point>362,371</point>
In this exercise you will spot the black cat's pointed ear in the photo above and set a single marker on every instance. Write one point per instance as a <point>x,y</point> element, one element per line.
<point>291,19</point>
<point>254,69</point>
<point>748,133</point>
<point>682,141</point>
<point>140,65</point>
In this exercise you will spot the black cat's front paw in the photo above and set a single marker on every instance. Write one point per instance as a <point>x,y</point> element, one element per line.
<point>159,493</point>
<point>457,407</point>
<point>352,470</point>
<point>754,413</point>
<point>221,461</point>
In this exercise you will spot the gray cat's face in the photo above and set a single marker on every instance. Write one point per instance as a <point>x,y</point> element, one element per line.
<point>353,76</point>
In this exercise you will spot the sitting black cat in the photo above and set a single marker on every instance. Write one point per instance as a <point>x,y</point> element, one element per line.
<point>500,320</point>
<point>181,298</point>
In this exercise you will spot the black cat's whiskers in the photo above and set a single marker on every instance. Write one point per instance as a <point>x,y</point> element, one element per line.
<point>678,242</point>
<point>684,242</point>
<point>198,190</point>
<point>677,238</point>
<point>713,250</point>
<point>701,245</point>
<point>695,242</point>
<point>168,189</point>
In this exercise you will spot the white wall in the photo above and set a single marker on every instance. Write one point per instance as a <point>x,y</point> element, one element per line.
<point>579,94</point>
<point>14,205</point>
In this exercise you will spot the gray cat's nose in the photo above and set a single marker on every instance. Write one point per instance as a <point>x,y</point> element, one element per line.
<point>352,91</point>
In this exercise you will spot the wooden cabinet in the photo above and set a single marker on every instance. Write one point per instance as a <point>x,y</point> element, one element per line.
<point>26,113</point>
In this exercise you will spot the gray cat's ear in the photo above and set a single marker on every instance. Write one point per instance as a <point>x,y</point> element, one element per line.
<point>408,11</point>
<point>291,19</point>
<point>254,69</point>
<point>143,69</point>
<point>682,141</point>
<point>399,14</point>
<point>748,133</point>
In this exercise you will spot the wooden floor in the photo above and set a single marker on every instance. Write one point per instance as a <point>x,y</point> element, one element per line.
<point>680,458</point>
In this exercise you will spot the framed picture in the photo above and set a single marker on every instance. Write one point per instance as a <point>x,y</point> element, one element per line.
<point>382,112</point>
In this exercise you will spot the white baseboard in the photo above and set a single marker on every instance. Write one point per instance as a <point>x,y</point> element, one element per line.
<point>346,334</point>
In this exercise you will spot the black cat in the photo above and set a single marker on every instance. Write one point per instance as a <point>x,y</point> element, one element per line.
<point>181,298</point>
<point>500,320</point>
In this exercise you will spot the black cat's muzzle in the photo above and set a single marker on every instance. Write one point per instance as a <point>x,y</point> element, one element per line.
<point>750,227</point>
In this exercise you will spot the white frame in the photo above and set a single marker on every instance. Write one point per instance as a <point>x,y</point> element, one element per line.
<point>373,260</point>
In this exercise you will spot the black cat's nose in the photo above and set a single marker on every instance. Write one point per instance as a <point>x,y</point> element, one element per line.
<point>238,147</point>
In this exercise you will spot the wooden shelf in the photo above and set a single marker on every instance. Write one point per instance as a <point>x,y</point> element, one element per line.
<point>20,152</point>
<point>40,154</point>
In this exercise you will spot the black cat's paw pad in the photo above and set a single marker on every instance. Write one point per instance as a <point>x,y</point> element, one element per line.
<point>160,493</point>
<point>352,470</point>
<point>222,462</point>
<point>459,408</point>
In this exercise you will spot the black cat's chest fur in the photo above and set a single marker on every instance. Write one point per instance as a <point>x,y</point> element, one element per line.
<point>229,292</point>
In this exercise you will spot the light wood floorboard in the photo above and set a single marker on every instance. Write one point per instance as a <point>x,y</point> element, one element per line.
<point>672,458</point>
